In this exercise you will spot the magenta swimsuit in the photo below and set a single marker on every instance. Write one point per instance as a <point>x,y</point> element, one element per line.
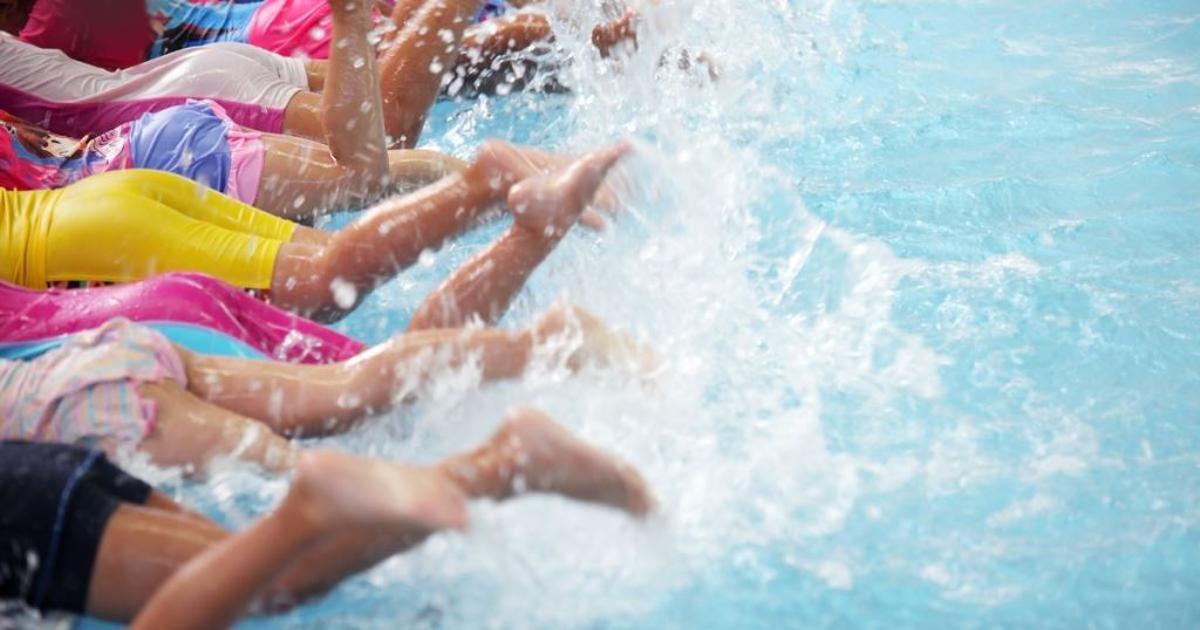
<point>187,298</point>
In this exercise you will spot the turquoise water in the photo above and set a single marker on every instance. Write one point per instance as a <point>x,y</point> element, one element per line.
<point>926,278</point>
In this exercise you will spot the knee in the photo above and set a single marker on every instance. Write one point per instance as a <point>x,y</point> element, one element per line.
<point>365,171</point>
<point>307,282</point>
<point>370,176</point>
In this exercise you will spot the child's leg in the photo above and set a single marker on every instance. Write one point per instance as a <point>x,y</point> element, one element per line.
<point>309,400</point>
<point>160,501</point>
<point>544,209</point>
<point>417,167</point>
<point>480,62</point>
<point>346,113</point>
<point>416,60</point>
<point>391,236</point>
<point>190,432</point>
<point>529,453</point>
<point>377,509</point>
<point>351,110</point>
<point>141,547</point>
<point>330,493</point>
<point>302,180</point>
<point>427,39</point>
<point>485,61</point>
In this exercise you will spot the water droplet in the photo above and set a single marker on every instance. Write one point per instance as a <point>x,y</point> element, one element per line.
<point>345,295</point>
<point>348,400</point>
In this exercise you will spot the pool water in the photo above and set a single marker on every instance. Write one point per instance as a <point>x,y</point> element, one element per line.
<point>926,278</point>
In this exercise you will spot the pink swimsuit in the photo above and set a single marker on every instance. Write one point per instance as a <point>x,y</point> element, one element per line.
<point>304,28</point>
<point>196,140</point>
<point>187,298</point>
<point>294,28</point>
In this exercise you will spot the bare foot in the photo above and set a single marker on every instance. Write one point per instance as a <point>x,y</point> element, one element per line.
<point>542,456</point>
<point>550,204</point>
<point>338,490</point>
<point>623,30</point>
<point>602,346</point>
<point>607,200</point>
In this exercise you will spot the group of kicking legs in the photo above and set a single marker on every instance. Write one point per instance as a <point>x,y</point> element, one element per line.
<point>84,536</point>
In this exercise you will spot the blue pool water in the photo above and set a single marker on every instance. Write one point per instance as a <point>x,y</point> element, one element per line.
<point>926,278</point>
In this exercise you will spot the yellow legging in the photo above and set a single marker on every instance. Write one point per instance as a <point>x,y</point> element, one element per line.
<point>126,225</point>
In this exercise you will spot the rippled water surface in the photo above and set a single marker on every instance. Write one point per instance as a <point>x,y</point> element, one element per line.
<point>925,276</point>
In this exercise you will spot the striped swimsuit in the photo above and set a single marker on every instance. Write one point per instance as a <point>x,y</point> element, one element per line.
<point>87,388</point>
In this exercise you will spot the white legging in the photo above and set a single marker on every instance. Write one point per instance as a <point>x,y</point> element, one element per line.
<point>72,98</point>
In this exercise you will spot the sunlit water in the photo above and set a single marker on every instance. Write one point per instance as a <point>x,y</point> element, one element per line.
<point>925,277</point>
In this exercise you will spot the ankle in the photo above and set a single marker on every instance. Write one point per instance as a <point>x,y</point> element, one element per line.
<point>479,474</point>
<point>535,236</point>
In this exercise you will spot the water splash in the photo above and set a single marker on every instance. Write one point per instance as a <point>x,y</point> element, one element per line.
<point>911,360</point>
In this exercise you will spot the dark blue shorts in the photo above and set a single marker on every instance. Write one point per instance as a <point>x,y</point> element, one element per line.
<point>55,502</point>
